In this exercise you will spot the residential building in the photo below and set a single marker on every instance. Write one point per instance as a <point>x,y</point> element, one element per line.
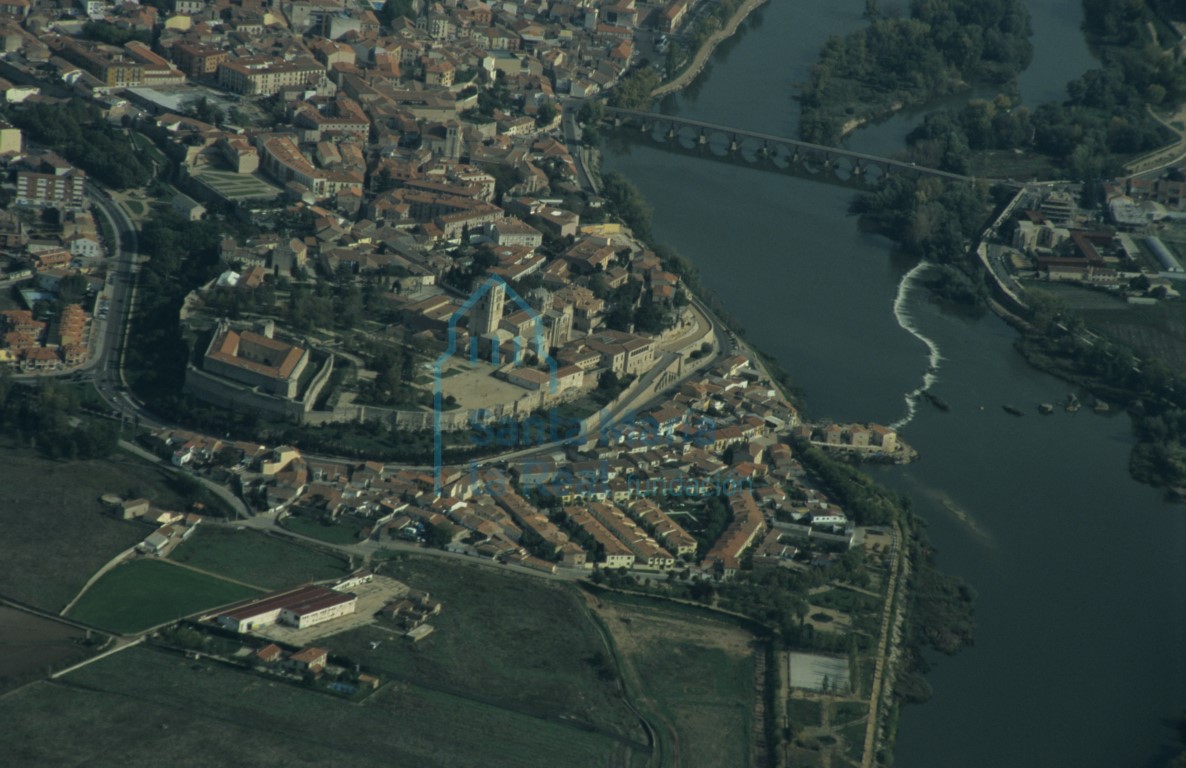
<point>264,76</point>
<point>198,60</point>
<point>308,660</point>
<point>112,66</point>
<point>748,523</point>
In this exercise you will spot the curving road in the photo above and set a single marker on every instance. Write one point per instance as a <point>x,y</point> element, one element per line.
<point>107,364</point>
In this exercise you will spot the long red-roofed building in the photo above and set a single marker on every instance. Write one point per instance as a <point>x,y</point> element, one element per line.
<point>300,608</point>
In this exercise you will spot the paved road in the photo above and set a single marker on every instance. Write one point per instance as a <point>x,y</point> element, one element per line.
<point>363,551</point>
<point>576,148</point>
<point>1169,156</point>
<point>234,502</point>
<point>108,363</point>
<point>692,71</point>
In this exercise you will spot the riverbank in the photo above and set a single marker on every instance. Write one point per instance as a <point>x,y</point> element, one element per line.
<point>700,60</point>
<point>853,489</point>
<point>870,72</point>
<point>857,122</point>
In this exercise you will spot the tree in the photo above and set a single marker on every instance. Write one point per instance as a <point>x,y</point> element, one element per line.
<point>205,110</point>
<point>590,136</point>
<point>591,111</point>
<point>397,9</point>
<point>72,289</point>
<point>547,113</point>
<point>634,90</point>
<point>79,132</point>
<point>437,535</point>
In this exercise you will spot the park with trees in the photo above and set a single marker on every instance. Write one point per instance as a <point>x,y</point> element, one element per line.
<point>79,133</point>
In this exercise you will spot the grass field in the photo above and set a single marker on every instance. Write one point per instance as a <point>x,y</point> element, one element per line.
<point>805,713</point>
<point>853,737</point>
<point>506,638</point>
<point>144,708</point>
<point>847,601</point>
<point>848,711</point>
<point>257,558</point>
<point>56,534</point>
<point>1157,331</point>
<point>1005,163</point>
<point>143,593</point>
<point>343,531</point>
<point>33,645</point>
<point>692,676</point>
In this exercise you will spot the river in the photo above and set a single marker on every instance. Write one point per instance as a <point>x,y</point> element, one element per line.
<point>1080,625</point>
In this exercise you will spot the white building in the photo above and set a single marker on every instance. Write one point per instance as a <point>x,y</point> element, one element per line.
<point>302,607</point>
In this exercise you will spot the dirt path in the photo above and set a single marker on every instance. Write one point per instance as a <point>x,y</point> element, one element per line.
<point>890,627</point>
<point>693,70</point>
<point>195,569</point>
<point>121,644</point>
<point>98,575</point>
<point>598,613</point>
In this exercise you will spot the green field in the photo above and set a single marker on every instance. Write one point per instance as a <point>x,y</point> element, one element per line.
<point>847,601</point>
<point>143,593</point>
<point>847,711</point>
<point>257,558</point>
<point>805,713</point>
<point>342,531</point>
<point>510,639</point>
<point>1157,331</point>
<point>144,708</point>
<point>854,741</point>
<point>1005,163</point>
<point>56,534</point>
<point>692,677</point>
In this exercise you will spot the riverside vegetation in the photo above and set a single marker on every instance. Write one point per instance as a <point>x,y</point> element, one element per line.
<point>938,49</point>
<point>1105,119</point>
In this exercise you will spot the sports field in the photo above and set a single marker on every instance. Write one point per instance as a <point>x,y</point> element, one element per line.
<point>256,558</point>
<point>237,186</point>
<point>144,593</point>
<point>816,672</point>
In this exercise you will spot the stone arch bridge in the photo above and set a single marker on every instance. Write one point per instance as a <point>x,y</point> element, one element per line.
<point>775,152</point>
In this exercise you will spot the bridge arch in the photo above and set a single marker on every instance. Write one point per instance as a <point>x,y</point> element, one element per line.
<point>768,150</point>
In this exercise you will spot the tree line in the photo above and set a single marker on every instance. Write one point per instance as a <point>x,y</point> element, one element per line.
<point>1153,392</point>
<point>50,418</point>
<point>1103,119</point>
<point>80,134</point>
